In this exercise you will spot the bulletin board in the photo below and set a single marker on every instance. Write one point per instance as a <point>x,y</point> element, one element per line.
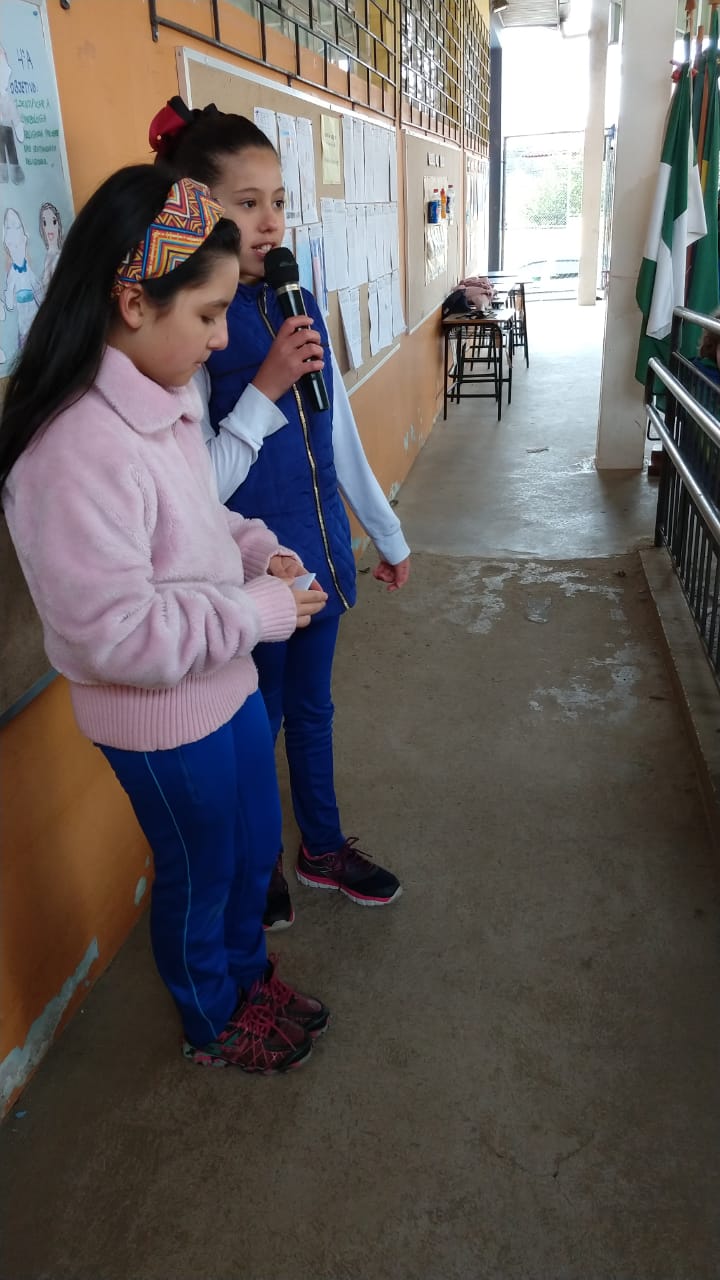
<point>429,164</point>
<point>203,79</point>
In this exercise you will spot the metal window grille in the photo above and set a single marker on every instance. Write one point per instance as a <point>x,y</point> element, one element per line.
<point>431,66</point>
<point>345,46</point>
<point>476,80</point>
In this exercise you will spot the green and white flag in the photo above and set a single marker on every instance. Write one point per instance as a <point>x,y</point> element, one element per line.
<point>677,221</point>
<point>703,292</point>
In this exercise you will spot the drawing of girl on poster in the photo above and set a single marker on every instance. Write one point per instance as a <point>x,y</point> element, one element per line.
<point>11,127</point>
<point>23,290</point>
<point>51,231</point>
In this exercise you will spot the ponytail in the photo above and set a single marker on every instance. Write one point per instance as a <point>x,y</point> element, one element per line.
<point>194,141</point>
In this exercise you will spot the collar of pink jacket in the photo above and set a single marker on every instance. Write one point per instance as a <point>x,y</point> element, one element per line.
<point>143,404</point>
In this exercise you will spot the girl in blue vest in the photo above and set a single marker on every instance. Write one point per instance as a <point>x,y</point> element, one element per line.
<point>278,460</point>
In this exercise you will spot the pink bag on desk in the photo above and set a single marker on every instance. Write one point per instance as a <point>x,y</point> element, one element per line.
<point>479,291</point>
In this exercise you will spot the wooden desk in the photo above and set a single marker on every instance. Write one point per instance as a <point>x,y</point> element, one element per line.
<point>489,338</point>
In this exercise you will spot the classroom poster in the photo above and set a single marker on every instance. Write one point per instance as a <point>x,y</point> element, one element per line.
<point>35,201</point>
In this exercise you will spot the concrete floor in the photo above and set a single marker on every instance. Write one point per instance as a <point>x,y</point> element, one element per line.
<point>521,1079</point>
<point>527,485</point>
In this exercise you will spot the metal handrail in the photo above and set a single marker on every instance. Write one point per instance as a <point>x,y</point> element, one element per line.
<point>706,509</point>
<point>687,522</point>
<point>697,317</point>
<point>705,420</point>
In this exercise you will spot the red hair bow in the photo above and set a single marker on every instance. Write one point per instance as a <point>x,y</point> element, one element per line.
<point>167,123</point>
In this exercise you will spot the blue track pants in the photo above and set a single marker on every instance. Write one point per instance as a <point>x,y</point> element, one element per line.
<point>211,814</point>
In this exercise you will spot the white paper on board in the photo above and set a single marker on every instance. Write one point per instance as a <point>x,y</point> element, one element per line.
<point>398,317</point>
<point>327,213</point>
<point>348,137</point>
<point>357,253</point>
<point>304,257</point>
<point>359,162</point>
<point>374,318</point>
<point>317,253</point>
<point>349,301</point>
<point>385,311</point>
<point>288,148</point>
<point>306,161</point>
<point>342,269</point>
<point>394,237</point>
<point>266,120</point>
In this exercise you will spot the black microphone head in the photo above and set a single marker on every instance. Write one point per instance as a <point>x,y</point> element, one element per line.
<point>281,268</point>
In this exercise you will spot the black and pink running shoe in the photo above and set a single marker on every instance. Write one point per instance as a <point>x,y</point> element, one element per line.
<point>349,871</point>
<point>284,1002</point>
<point>255,1041</point>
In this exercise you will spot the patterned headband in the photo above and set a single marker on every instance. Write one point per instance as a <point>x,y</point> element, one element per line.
<point>182,226</point>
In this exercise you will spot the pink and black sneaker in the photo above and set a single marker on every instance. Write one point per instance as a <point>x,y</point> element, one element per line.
<point>351,872</point>
<point>310,1014</point>
<point>279,912</point>
<point>255,1041</point>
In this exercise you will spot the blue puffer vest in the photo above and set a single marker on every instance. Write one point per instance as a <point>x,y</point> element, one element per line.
<point>293,486</point>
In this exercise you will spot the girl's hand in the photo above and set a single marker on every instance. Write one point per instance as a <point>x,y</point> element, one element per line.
<point>286,567</point>
<point>297,350</point>
<point>307,604</point>
<point>396,575</point>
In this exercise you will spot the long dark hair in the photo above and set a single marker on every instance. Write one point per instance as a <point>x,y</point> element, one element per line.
<point>65,345</point>
<point>194,142</point>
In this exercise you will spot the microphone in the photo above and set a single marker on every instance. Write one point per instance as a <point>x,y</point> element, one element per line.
<point>283,276</point>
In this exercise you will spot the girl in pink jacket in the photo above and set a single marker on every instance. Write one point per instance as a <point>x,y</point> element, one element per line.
<point>152,595</point>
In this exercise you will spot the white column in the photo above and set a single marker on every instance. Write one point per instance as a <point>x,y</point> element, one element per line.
<point>647,46</point>
<point>593,156</point>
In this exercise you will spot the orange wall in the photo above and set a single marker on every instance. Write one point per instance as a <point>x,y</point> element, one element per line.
<point>73,863</point>
<point>396,408</point>
<point>73,858</point>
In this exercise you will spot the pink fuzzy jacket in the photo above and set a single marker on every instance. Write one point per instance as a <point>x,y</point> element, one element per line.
<point>152,595</point>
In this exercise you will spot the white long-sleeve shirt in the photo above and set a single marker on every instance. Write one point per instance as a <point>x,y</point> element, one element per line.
<point>238,443</point>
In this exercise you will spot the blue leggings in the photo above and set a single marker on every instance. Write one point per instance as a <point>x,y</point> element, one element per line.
<point>295,680</point>
<point>211,813</point>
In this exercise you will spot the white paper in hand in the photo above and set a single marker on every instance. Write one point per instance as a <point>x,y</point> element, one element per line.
<point>304,582</point>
